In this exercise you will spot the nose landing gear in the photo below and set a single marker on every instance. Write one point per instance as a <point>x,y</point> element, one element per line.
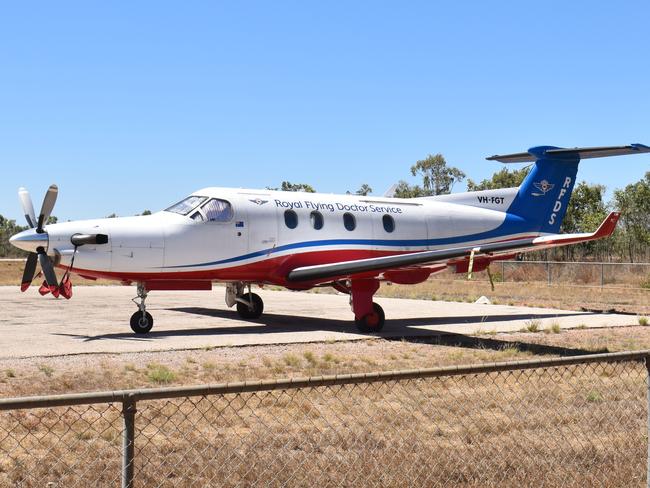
<point>141,321</point>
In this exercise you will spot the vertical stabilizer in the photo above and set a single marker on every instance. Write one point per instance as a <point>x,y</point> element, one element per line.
<point>543,197</point>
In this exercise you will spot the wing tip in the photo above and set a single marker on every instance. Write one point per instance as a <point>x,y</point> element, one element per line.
<point>608,225</point>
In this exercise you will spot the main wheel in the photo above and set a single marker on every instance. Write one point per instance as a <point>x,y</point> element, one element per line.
<point>141,323</point>
<point>245,312</point>
<point>372,322</point>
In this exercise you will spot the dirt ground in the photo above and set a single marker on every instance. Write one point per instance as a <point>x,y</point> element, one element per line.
<point>88,372</point>
<point>570,426</point>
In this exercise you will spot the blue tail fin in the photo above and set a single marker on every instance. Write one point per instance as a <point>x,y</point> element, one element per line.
<point>544,195</point>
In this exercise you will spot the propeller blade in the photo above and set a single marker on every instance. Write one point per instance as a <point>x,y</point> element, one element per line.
<point>48,271</point>
<point>46,208</point>
<point>28,208</point>
<point>30,270</point>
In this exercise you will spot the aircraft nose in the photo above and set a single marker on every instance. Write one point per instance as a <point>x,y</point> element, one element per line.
<point>30,240</point>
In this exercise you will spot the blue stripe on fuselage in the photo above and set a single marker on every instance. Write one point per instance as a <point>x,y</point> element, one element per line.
<point>511,225</point>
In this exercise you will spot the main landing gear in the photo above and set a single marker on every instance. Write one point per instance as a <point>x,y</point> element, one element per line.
<point>249,305</point>
<point>369,317</point>
<point>141,321</point>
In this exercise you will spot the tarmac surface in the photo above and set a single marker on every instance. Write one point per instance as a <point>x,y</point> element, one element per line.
<point>96,319</point>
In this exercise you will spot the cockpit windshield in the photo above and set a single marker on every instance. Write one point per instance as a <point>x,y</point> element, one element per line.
<point>186,205</point>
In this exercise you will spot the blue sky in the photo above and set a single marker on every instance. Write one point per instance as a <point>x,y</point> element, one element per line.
<point>132,105</point>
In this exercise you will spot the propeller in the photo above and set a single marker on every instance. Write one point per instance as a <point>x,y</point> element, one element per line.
<point>40,240</point>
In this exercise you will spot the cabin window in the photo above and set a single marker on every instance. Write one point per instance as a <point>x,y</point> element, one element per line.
<point>217,210</point>
<point>291,219</point>
<point>389,223</point>
<point>186,205</point>
<point>349,221</point>
<point>316,220</point>
<point>197,216</point>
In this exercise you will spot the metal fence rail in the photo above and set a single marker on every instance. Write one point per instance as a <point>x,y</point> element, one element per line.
<point>578,421</point>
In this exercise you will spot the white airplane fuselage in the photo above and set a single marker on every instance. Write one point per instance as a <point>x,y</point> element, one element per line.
<point>256,244</point>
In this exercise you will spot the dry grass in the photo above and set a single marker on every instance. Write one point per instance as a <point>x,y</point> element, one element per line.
<point>11,273</point>
<point>533,294</point>
<point>579,425</point>
<point>68,374</point>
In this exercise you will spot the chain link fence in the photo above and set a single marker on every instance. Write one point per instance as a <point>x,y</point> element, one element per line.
<point>579,421</point>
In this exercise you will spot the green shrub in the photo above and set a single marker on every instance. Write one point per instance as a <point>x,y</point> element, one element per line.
<point>160,374</point>
<point>533,325</point>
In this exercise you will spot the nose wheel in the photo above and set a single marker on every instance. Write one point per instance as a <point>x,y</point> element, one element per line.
<point>141,321</point>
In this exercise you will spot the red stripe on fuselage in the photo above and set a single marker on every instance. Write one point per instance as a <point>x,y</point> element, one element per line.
<point>272,270</point>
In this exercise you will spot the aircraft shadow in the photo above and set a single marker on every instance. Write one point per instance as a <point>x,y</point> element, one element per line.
<point>452,339</point>
<point>396,329</point>
<point>276,319</point>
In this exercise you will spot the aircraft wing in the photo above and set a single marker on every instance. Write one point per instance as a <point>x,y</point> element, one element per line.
<point>442,256</point>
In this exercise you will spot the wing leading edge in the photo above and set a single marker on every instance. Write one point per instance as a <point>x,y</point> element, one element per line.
<point>347,268</point>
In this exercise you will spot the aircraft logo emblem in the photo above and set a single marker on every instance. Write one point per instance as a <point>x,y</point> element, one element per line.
<point>258,201</point>
<point>544,187</point>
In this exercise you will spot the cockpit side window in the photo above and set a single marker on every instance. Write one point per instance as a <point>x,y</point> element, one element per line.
<point>197,216</point>
<point>186,205</point>
<point>216,210</point>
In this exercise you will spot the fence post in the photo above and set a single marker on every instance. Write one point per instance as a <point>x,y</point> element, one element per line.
<point>647,367</point>
<point>548,272</point>
<point>128,441</point>
<point>602,274</point>
<point>503,271</point>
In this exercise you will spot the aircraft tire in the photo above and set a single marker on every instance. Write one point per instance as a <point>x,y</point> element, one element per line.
<point>258,307</point>
<point>372,322</point>
<point>141,324</point>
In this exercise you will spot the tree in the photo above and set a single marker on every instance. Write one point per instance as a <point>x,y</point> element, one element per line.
<point>437,177</point>
<point>404,190</point>
<point>586,209</point>
<point>146,212</point>
<point>501,179</point>
<point>364,190</point>
<point>7,229</point>
<point>585,212</point>
<point>288,186</point>
<point>634,204</point>
<point>111,216</point>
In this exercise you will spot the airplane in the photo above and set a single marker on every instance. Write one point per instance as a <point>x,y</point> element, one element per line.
<point>301,240</point>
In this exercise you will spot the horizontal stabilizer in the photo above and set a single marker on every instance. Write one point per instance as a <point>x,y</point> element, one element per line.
<point>571,153</point>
